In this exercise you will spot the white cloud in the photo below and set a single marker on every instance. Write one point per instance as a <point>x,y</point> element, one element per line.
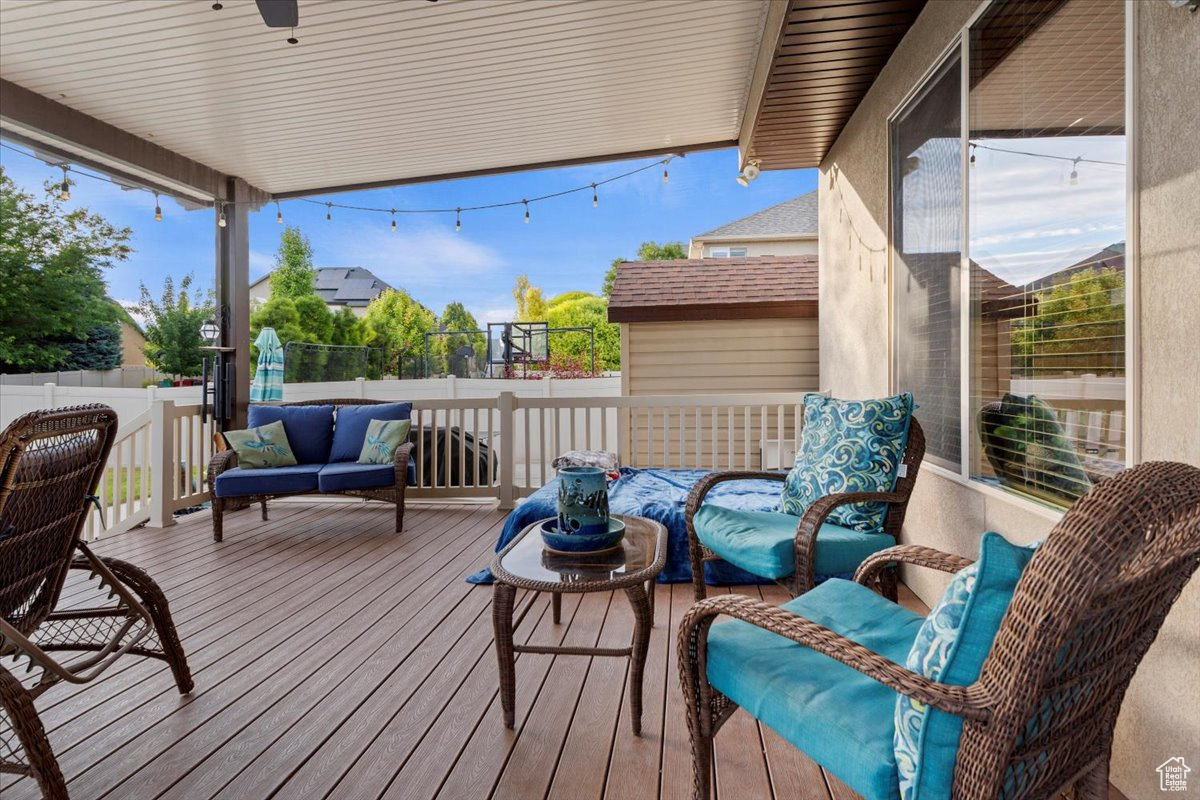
<point>260,263</point>
<point>132,307</point>
<point>495,315</point>
<point>411,258</point>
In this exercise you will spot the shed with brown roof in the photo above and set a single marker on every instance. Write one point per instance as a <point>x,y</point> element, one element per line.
<point>717,326</point>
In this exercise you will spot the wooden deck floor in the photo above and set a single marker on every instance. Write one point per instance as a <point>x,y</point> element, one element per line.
<point>335,659</point>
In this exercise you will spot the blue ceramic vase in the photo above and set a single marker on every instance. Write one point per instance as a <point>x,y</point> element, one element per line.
<point>582,501</point>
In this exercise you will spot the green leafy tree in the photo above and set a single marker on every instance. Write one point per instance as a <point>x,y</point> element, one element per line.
<point>294,274</point>
<point>531,304</point>
<point>397,323</point>
<point>574,348</point>
<point>1079,327</point>
<point>648,251</point>
<point>52,264</point>
<point>100,350</point>
<point>347,329</point>
<point>448,351</point>
<point>173,323</point>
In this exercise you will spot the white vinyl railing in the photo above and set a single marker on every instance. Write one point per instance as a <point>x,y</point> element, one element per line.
<point>500,447</point>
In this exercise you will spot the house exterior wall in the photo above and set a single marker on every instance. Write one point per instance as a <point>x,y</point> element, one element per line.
<point>700,248</point>
<point>1155,722</point>
<point>133,346</point>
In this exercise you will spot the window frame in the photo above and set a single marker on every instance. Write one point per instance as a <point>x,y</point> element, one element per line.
<point>959,46</point>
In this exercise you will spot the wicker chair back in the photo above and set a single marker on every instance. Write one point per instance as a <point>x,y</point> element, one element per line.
<point>50,462</point>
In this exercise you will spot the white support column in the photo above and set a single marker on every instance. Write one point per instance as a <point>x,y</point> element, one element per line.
<point>163,465</point>
<point>508,420</point>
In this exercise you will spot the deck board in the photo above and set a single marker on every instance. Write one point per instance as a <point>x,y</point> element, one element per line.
<point>335,659</point>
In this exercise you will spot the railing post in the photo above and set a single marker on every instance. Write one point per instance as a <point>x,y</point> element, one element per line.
<point>548,386</point>
<point>361,385</point>
<point>48,395</point>
<point>162,463</point>
<point>451,386</point>
<point>508,421</point>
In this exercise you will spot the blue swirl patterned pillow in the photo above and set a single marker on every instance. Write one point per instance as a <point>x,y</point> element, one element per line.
<point>848,446</point>
<point>950,648</point>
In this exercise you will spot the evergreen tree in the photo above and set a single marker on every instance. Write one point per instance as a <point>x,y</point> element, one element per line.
<point>173,323</point>
<point>294,274</point>
<point>100,350</point>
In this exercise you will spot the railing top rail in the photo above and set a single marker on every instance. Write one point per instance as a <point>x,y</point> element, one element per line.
<point>664,401</point>
<point>133,424</point>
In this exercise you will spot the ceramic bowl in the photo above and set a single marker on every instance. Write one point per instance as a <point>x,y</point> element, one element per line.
<point>582,542</point>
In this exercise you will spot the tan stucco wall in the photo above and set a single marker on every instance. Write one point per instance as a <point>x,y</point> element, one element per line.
<point>700,248</point>
<point>1158,719</point>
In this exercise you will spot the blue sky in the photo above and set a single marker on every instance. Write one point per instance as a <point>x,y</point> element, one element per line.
<point>568,245</point>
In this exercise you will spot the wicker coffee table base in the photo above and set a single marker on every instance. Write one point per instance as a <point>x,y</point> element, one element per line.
<point>641,597</point>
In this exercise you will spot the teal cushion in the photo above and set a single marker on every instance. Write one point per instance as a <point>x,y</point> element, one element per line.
<point>848,446</point>
<point>761,542</point>
<point>950,648</point>
<point>261,447</point>
<point>839,717</point>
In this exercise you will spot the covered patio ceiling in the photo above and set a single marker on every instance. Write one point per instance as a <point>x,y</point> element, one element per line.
<point>383,93</point>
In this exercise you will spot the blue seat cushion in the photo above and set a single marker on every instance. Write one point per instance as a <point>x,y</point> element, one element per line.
<point>351,429</point>
<point>352,475</point>
<point>762,542</point>
<point>238,482</point>
<point>839,717</point>
<point>309,429</point>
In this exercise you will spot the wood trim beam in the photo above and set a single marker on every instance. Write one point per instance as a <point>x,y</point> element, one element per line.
<point>768,48</point>
<point>38,121</point>
<point>385,183</point>
<point>709,311</point>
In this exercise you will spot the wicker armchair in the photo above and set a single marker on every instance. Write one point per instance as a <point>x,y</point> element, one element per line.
<point>804,577</point>
<point>226,459</point>
<point>1040,717</point>
<point>50,463</point>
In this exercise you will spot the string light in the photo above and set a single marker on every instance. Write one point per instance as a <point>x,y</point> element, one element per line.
<point>64,191</point>
<point>526,202</point>
<point>1074,179</point>
<point>393,220</point>
<point>292,39</point>
<point>457,220</point>
<point>595,197</point>
<point>157,209</point>
<point>666,178</point>
<point>972,158</point>
<point>278,214</point>
<point>221,217</point>
<point>329,212</point>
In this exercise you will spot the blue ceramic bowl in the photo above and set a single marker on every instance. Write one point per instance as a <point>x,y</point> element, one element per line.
<point>582,542</point>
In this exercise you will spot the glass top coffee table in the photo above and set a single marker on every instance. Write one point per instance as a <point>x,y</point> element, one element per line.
<point>634,566</point>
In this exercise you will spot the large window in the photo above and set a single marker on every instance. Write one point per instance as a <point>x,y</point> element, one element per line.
<point>1044,304</point>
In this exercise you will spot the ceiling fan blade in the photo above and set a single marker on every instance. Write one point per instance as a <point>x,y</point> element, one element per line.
<point>279,13</point>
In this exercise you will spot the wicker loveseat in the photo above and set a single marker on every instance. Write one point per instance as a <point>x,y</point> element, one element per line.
<point>326,436</point>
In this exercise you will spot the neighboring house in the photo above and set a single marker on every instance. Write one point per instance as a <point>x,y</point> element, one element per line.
<point>786,229</point>
<point>133,345</point>
<point>339,287</point>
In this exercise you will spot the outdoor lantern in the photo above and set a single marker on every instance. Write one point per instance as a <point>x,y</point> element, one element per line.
<point>209,331</point>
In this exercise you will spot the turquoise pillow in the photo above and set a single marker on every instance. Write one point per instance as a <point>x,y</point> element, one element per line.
<point>382,439</point>
<point>262,447</point>
<point>848,446</point>
<point>950,648</point>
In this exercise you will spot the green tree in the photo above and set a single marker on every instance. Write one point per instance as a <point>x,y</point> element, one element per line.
<point>52,264</point>
<point>1079,327</point>
<point>173,326</point>
<point>294,274</point>
<point>347,329</point>
<point>573,349</point>
<point>531,304</point>
<point>447,348</point>
<point>648,251</point>
<point>100,350</point>
<point>397,323</point>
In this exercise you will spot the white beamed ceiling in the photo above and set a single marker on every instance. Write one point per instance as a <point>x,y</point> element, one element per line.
<point>392,89</point>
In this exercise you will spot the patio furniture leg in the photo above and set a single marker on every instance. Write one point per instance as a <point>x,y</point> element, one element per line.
<point>651,586</point>
<point>400,515</point>
<point>23,720</point>
<point>503,596</point>
<point>155,601</point>
<point>218,518</point>
<point>642,618</point>
<point>556,605</point>
<point>264,509</point>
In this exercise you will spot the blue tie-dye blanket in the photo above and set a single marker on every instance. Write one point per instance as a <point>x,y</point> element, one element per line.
<point>660,495</point>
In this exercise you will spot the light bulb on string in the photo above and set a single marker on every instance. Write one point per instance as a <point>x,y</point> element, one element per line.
<point>526,202</point>
<point>457,220</point>
<point>595,197</point>
<point>666,178</point>
<point>64,191</point>
<point>971,160</point>
<point>157,209</point>
<point>393,220</point>
<point>221,217</point>
<point>278,214</point>
<point>1074,179</point>
<point>329,212</point>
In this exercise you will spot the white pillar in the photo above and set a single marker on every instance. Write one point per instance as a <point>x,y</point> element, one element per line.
<point>163,464</point>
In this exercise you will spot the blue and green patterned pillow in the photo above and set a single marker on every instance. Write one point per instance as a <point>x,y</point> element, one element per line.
<point>382,439</point>
<point>950,648</point>
<point>262,447</point>
<point>848,446</point>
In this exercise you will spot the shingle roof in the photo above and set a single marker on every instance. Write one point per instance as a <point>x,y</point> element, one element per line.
<point>715,288</point>
<point>795,217</point>
<point>353,286</point>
